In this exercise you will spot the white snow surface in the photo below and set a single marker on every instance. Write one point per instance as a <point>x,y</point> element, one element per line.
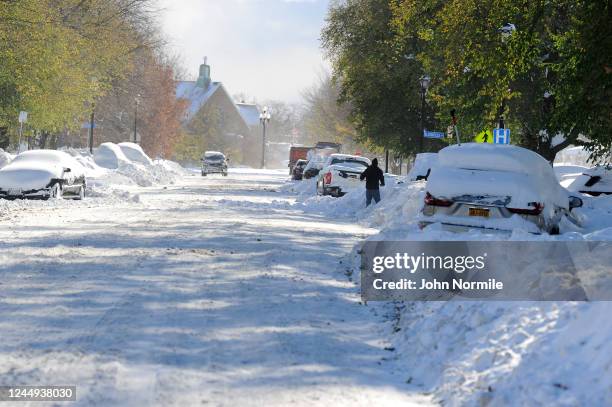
<point>189,296</point>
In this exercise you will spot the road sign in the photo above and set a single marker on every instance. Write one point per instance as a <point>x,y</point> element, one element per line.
<point>501,136</point>
<point>433,134</point>
<point>23,117</point>
<point>484,136</point>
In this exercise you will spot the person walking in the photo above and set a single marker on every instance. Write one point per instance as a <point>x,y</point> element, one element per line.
<point>373,176</point>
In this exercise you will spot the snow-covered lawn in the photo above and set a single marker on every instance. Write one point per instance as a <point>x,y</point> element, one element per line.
<point>208,291</point>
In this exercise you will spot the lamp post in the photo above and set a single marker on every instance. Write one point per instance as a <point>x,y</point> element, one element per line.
<point>137,102</point>
<point>424,81</point>
<point>264,119</point>
<point>506,32</point>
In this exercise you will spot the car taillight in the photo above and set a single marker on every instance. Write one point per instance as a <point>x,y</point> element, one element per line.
<point>536,210</point>
<point>431,200</point>
<point>327,178</point>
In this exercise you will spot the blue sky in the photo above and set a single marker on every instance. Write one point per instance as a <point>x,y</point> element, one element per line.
<point>267,49</point>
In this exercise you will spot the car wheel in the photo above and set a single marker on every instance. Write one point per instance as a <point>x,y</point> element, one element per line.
<point>554,230</point>
<point>56,191</point>
<point>81,194</point>
<point>225,174</point>
<point>203,174</point>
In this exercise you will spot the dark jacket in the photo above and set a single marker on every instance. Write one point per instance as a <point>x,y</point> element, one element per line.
<point>373,175</point>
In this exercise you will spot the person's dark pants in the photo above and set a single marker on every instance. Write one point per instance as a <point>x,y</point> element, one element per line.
<point>372,193</point>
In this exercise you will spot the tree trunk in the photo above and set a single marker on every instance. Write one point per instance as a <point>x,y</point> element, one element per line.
<point>42,142</point>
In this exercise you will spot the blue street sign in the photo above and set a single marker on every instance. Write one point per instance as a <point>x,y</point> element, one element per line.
<point>501,136</point>
<point>433,134</point>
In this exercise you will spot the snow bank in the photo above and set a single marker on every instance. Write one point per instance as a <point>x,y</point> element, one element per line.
<point>111,180</point>
<point>5,158</point>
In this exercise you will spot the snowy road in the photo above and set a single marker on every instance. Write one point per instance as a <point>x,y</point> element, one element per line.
<point>203,293</point>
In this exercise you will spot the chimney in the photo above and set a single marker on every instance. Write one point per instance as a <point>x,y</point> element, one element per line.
<point>204,77</point>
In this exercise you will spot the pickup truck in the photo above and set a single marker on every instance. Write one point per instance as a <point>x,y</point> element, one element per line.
<point>340,174</point>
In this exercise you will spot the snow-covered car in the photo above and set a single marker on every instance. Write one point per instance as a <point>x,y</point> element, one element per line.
<point>109,155</point>
<point>340,174</point>
<point>312,169</point>
<point>298,170</point>
<point>214,162</point>
<point>42,174</point>
<point>500,187</point>
<point>135,153</point>
<point>423,163</point>
<point>594,181</point>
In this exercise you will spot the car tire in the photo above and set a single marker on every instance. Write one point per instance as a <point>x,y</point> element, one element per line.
<point>81,195</point>
<point>225,174</point>
<point>554,231</point>
<point>56,191</point>
<point>203,174</point>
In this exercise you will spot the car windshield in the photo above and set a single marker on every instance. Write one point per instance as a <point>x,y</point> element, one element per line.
<point>214,157</point>
<point>349,162</point>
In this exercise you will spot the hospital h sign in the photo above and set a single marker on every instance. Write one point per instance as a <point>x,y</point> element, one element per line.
<point>501,136</point>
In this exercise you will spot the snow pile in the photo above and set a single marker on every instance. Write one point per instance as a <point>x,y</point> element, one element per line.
<point>109,167</point>
<point>507,354</point>
<point>5,158</point>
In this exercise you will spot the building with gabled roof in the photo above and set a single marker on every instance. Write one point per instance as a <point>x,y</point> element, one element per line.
<point>211,110</point>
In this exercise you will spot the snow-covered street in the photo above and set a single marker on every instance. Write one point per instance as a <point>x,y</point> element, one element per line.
<point>189,295</point>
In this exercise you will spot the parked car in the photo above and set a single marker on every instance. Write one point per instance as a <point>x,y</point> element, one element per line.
<point>43,174</point>
<point>297,153</point>
<point>340,174</point>
<point>214,162</point>
<point>135,153</point>
<point>594,181</point>
<point>298,170</point>
<point>421,168</point>
<point>312,168</point>
<point>110,155</point>
<point>491,186</point>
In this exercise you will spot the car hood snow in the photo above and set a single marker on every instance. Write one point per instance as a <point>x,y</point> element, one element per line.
<point>27,177</point>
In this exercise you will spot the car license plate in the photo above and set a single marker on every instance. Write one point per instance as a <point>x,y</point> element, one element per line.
<point>482,212</point>
<point>14,192</point>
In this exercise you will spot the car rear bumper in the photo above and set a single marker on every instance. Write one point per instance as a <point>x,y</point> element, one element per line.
<point>214,170</point>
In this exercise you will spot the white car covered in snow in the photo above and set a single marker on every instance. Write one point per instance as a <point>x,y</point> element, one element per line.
<point>110,156</point>
<point>493,186</point>
<point>423,163</point>
<point>594,181</point>
<point>340,174</point>
<point>135,153</point>
<point>42,174</point>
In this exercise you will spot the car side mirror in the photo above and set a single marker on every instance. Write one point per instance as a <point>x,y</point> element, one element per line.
<point>575,202</point>
<point>67,170</point>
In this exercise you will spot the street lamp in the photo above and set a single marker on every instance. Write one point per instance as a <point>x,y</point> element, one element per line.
<point>424,81</point>
<point>506,32</point>
<point>264,119</point>
<point>137,101</point>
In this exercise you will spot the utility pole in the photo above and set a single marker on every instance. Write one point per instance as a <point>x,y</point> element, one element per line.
<point>137,100</point>
<point>91,128</point>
